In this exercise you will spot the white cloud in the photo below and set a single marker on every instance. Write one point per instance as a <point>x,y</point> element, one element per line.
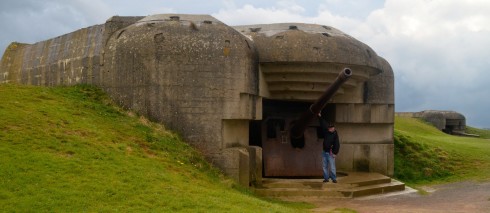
<point>249,14</point>
<point>431,43</point>
<point>291,6</point>
<point>356,9</point>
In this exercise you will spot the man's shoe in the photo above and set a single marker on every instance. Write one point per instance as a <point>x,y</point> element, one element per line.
<point>325,181</point>
<point>335,181</point>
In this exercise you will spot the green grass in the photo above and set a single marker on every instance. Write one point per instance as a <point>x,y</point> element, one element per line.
<point>425,155</point>
<point>68,149</point>
<point>483,133</point>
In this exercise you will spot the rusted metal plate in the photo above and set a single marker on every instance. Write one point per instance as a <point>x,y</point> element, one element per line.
<point>281,159</point>
<point>279,156</point>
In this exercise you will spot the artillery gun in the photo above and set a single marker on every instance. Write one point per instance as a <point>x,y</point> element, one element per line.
<point>302,122</point>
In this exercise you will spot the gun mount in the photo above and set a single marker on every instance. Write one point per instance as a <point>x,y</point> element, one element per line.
<point>301,123</point>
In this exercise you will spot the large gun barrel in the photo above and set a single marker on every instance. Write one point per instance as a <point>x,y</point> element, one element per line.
<point>300,124</point>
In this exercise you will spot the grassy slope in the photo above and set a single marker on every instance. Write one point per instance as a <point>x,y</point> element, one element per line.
<point>424,154</point>
<point>69,150</point>
<point>481,132</point>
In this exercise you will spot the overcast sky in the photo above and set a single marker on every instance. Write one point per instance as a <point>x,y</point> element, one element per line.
<point>439,49</point>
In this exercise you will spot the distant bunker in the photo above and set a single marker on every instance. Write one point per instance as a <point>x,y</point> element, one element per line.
<point>231,92</point>
<point>449,122</point>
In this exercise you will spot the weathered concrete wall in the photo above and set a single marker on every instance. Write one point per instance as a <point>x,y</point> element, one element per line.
<point>367,128</point>
<point>192,73</point>
<point>11,63</point>
<point>380,89</point>
<point>195,75</point>
<point>235,162</point>
<point>69,59</point>
<point>298,61</point>
<point>255,165</point>
<point>281,42</point>
<point>73,58</point>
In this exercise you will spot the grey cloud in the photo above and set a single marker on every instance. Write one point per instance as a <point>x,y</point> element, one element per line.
<point>439,56</point>
<point>30,21</point>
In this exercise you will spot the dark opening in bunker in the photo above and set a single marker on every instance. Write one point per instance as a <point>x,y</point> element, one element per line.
<point>453,125</point>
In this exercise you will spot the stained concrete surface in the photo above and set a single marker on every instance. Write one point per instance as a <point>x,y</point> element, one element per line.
<point>453,197</point>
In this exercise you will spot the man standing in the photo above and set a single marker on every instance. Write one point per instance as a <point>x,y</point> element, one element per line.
<point>331,148</point>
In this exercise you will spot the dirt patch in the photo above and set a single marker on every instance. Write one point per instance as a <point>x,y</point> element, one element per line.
<point>454,197</point>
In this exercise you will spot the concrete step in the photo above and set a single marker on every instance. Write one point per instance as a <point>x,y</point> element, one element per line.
<point>349,186</point>
<point>364,179</point>
<point>383,188</point>
<point>294,192</point>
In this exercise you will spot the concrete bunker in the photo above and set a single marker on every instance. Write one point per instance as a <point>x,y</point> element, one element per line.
<point>232,92</point>
<point>450,122</point>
